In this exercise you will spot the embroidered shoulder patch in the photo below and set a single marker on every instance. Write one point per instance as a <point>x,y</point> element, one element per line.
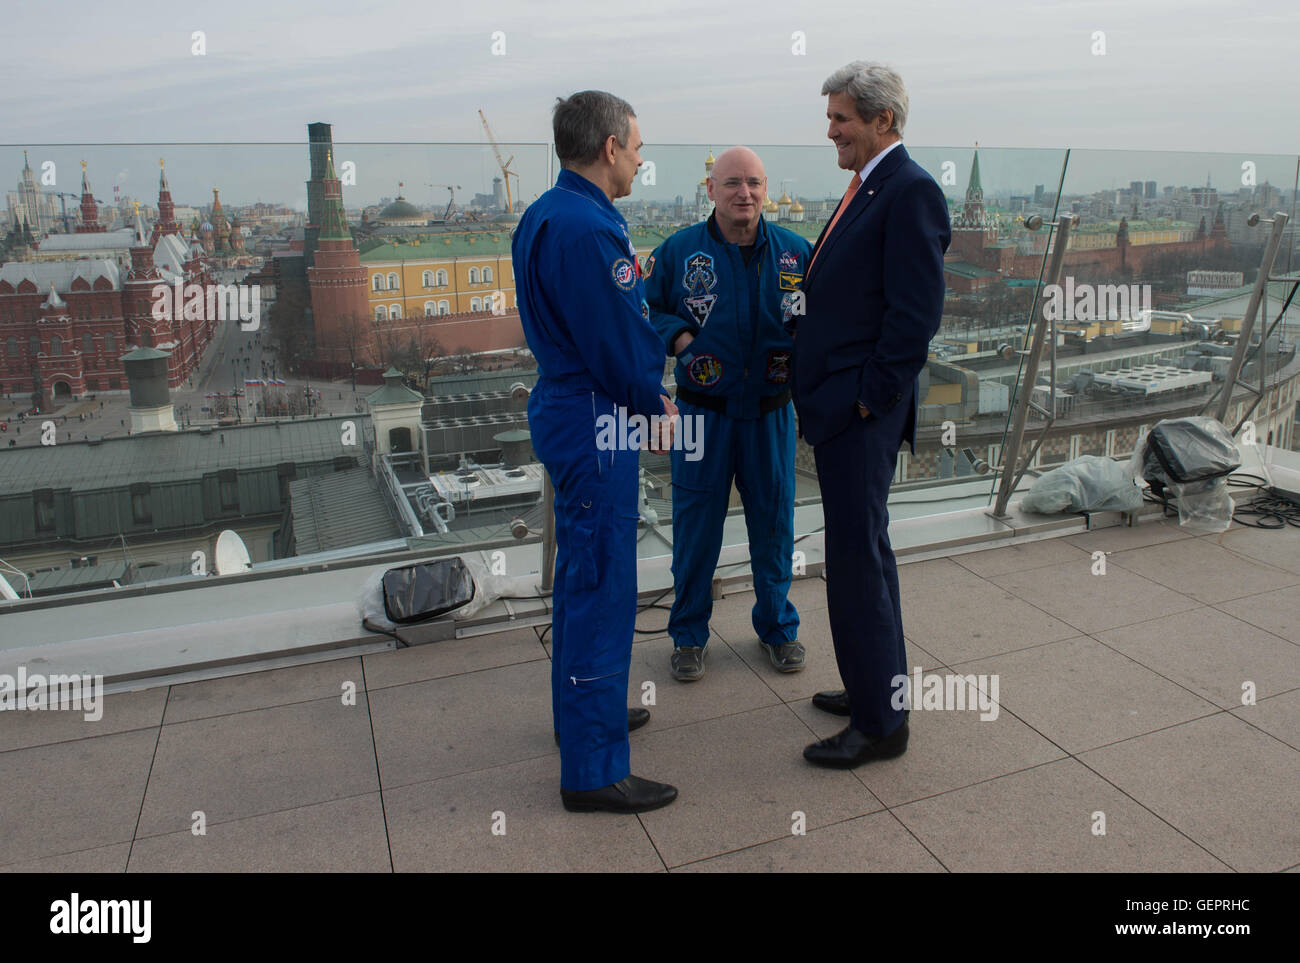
<point>623,273</point>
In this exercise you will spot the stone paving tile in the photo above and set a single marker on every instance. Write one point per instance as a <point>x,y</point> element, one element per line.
<point>261,690</point>
<point>1277,612</point>
<point>1118,538</point>
<point>102,859</point>
<point>728,686</point>
<point>440,727</point>
<point>1278,715</point>
<point>1211,653</point>
<point>821,671</point>
<point>120,712</point>
<point>1017,558</point>
<point>72,796</point>
<point>1275,547</point>
<point>976,617</point>
<point>1081,694</point>
<point>945,750</point>
<point>1041,821</point>
<point>446,825</point>
<point>1204,570</point>
<point>1220,781</point>
<point>1091,603</point>
<point>438,660</point>
<point>341,836</point>
<point>260,761</point>
<point>877,843</point>
<point>741,778</point>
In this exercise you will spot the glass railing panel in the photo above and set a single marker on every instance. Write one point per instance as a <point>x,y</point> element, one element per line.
<point>1154,285</point>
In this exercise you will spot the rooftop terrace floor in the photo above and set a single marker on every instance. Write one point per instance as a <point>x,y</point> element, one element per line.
<point>1119,694</point>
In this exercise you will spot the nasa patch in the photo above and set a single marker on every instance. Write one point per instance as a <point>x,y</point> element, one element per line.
<point>701,307</point>
<point>788,261</point>
<point>623,273</point>
<point>778,367</point>
<point>705,370</point>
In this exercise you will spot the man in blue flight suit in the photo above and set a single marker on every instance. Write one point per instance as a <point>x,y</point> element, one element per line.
<point>719,293</point>
<point>582,305</point>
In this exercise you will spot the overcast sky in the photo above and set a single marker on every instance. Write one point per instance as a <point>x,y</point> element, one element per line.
<point>1175,75</point>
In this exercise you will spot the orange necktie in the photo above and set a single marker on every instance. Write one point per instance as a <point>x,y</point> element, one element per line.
<point>848,199</point>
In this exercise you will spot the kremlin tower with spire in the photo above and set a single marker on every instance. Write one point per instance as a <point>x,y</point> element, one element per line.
<point>339,299</point>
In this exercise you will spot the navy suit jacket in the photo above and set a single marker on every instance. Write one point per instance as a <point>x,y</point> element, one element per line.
<point>873,299</point>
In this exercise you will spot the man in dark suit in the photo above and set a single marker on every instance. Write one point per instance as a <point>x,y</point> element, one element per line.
<point>873,300</point>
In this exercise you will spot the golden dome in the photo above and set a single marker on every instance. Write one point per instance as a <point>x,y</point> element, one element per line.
<point>770,206</point>
<point>708,161</point>
<point>785,198</point>
<point>796,207</point>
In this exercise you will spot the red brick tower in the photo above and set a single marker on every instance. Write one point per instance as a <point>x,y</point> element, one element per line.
<point>339,300</point>
<point>89,209</point>
<point>166,223</point>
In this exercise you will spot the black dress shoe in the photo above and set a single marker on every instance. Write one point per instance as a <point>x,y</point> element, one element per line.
<point>850,748</point>
<point>835,702</point>
<point>636,718</point>
<point>630,795</point>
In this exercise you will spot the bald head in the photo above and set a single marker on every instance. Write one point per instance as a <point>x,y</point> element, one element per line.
<point>738,187</point>
<point>737,162</point>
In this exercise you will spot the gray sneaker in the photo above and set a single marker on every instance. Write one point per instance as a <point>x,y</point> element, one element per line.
<point>785,658</point>
<point>688,662</point>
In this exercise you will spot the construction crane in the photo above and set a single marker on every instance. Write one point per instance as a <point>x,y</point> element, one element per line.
<point>506,172</point>
<point>451,203</point>
<point>63,206</point>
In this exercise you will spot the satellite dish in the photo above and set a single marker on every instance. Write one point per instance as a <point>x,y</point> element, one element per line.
<point>232,554</point>
<point>7,591</point>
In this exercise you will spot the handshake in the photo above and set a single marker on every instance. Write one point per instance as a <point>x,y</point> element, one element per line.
<point>662,428</point>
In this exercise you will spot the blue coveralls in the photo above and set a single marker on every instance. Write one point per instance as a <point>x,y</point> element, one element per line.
<point>696,281</point>
<point>582,305</point>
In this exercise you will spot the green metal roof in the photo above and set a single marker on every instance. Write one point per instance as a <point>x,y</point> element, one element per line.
<point>145,354</point>
<point>173,455</point>
<point>449,246</point>
<point>339,510</point>
<point>393,392</point>
<point>964,270</point>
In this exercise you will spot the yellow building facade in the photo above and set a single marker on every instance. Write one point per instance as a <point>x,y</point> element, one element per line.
<point>401,288</point>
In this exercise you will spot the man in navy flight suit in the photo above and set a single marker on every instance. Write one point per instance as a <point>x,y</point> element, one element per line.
<point>719,293</point>
<point>874,299</point>
<point>582,305</point>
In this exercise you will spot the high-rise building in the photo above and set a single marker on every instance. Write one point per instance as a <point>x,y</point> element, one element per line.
<point>30,205</point>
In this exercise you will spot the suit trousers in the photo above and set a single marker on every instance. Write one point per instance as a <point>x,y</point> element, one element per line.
<point>855,468</point>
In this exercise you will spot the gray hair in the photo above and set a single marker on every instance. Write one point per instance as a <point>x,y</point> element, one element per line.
<point>874,88</point>
<point>583,122</point>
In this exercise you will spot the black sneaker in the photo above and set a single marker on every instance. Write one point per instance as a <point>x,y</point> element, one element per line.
<point>688,662</point>
<point>788,657</point>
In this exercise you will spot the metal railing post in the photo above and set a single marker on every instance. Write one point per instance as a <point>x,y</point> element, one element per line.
<point>1046,326</point>
<point>1248,322</point>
